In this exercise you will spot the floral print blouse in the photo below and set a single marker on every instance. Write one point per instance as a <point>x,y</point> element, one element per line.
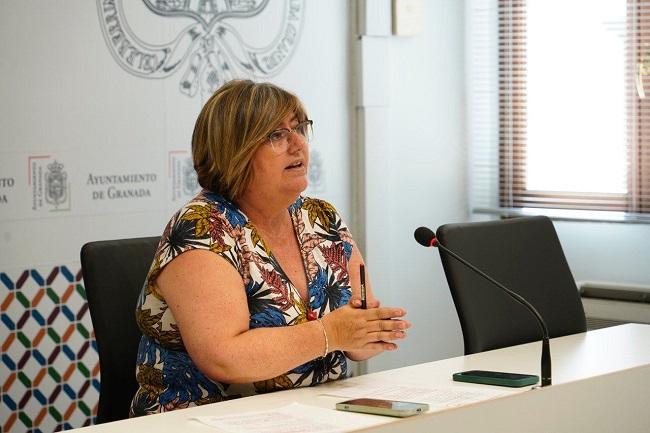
<point>168,378</point>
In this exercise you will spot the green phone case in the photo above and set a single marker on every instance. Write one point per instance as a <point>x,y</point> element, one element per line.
<point>513,380</point>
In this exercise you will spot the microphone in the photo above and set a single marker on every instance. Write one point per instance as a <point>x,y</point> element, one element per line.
<point>426,237</point>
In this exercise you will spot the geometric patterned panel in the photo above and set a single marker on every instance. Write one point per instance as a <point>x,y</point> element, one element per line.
<point>49,368</point>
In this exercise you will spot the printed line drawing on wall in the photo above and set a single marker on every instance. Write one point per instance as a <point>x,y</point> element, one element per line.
<point>212,49</point>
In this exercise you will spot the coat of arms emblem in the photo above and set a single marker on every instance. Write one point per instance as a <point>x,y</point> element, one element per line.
<point>56,187</point>
<point>212,48</point>
<point>190,182</point>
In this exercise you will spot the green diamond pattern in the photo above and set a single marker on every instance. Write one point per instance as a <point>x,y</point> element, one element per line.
<point>38,347</point>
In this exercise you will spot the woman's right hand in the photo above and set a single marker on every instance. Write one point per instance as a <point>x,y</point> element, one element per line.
<point>351,328</point>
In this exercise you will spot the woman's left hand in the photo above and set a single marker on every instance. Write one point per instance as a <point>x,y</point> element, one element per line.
<point>361,354</point>
<point>355,301</point>
<point>370,302</point>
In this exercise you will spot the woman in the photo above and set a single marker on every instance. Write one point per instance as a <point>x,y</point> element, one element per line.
<point>254,288</point>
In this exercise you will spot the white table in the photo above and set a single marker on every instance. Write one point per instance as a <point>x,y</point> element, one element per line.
<point>601,383</point>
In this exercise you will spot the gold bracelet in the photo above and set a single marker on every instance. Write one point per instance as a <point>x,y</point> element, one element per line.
<point>327,341</point>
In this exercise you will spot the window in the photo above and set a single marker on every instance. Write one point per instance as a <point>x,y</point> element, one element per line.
<point>559,117</point>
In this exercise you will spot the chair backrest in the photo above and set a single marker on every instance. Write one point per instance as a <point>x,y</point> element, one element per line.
<point>524,254</point>
<point>114,272</point>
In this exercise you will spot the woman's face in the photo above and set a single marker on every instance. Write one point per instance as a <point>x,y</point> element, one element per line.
<point>282,172</point>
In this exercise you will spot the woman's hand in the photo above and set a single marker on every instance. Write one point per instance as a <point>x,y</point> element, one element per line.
<point>375,329</point>
<point>370,302</point>
<point>393,328</point>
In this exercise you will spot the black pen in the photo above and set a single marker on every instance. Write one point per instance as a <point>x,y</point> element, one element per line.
<point>362,275</point>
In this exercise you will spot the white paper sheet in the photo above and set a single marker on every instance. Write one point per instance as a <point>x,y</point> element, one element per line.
<point>438,398</point>
<point>300,418</point>
<point>292,418</point>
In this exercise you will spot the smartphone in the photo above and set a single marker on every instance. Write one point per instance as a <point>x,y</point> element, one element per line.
<point>383,407</point>
<point>514,380</point>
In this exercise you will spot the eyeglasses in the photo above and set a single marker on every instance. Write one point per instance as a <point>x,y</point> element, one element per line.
<point>279,138</point>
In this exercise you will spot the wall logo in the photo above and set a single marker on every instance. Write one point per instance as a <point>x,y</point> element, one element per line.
<point>49,183</point>
<point>316,172</point>
<point>209,50</point>
<point>190,182</point>
<point>56,188</point>
<point>182,176</point>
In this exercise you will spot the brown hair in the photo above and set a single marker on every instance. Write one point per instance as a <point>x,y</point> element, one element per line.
<point>231,125</point>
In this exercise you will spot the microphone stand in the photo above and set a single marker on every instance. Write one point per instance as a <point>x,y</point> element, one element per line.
<point>546,348</point>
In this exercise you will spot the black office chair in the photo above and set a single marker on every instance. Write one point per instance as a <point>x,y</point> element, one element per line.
<point>114,272</point>
<point>525,255</point>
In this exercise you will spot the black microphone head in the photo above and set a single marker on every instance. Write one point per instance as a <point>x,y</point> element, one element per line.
<point>424,236</point>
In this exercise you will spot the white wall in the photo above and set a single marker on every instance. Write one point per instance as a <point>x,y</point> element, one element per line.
<point>609,252</point>
<point>420,153</point>
<point>65,96</point>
